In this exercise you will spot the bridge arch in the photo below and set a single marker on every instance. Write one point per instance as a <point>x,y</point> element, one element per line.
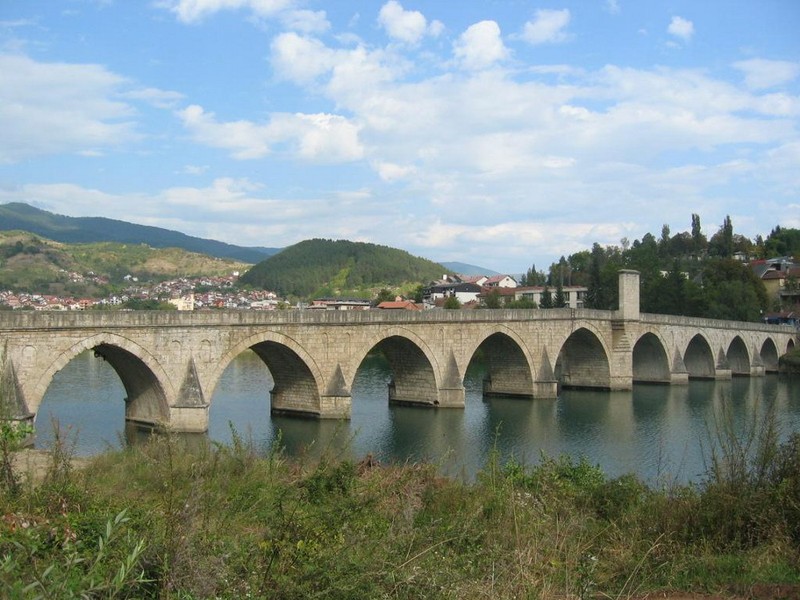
<point>415,377</point>
<point>769,355</point>
<point>509,371</point>
<point>790,346</point>
<point>583,361</point>
<point>699,358</point>
<point>297,378</point>
<point>146,383</point>
<point>650,360</point>
<point>738,357</point>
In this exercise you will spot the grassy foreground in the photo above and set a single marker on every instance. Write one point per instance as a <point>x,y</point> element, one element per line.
<point>158,521</point>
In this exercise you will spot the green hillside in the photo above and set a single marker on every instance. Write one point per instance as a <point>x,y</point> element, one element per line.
<point>33,264</point>
<point>78,230</point>
<point>326,267</point>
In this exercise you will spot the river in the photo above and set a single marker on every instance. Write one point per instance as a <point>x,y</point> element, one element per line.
<point>661,433</point>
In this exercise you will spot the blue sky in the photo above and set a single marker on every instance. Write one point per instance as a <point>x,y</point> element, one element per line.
<point>496,132</point>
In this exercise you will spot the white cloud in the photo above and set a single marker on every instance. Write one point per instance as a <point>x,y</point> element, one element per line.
<point>681,28</point>
<point>192,11</point>
<point>155,97</point>
<point>306,21</point>
<point>760,73</point>
<point>48,108</point>
<point>301,59</point>
<point>612,6</point>
<point>193,169</point>
<point>393,172</point>
<point>408,26</point>
<point>315,137</point>
<point>480,46</point>
<point>547,27</point>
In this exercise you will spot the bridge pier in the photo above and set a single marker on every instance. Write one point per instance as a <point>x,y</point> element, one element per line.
<point>335,406</point>
<point>679,374</point>
<point>452,397</point>
<point>13,408</point>
<point>185,419</point>
<point>722,370</point>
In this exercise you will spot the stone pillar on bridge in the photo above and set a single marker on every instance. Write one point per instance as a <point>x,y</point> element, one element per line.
<point>628,284</point>
<point>621,359</point>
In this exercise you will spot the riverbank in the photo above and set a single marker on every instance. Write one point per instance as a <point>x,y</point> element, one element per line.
<point>790,362</point>
<point>225,521</point>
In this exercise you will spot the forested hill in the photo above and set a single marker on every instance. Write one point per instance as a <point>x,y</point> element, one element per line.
<point>81,230</point>
<point>327,267</point>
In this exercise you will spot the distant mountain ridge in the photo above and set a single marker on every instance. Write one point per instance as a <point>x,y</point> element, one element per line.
<point>467,269</point>
<point>74,230</point>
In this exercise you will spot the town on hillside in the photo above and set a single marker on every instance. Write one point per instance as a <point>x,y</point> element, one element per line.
<point>779,275</point>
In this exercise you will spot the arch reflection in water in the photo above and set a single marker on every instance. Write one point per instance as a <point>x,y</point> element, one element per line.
<point>654,431</point>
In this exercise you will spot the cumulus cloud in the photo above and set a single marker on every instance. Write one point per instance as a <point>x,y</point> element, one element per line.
<point>681,28</point>
<point>480,46</point>
<point>760,73</point>
<point>306,21</point>
<point>48,108</point>
<point>315,137</point>
<point>393,172</point>
<point>192,11</point>
<point>547,27</point>
<point>408,26</point>
<point>472,162</point>
<point>155,97</point>
<point>301,59</point>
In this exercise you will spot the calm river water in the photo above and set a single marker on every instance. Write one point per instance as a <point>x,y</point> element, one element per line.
<point>661,433</point>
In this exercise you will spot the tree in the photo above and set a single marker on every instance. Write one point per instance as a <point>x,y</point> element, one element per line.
<point>384,295</point>
<point>664,243</point>
<point>532,277</point>
<point>782,242</point>
<point>721,243</point>
<point>559,300</point>
<point>700,242</point>
<point>547,298</point>
<point>452,303</point>
<point>148,304</point>
<point>732,291</point>
<point>493,299</point>
<point>603,272</point>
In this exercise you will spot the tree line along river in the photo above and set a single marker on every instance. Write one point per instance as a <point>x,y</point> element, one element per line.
<point>661,433</point>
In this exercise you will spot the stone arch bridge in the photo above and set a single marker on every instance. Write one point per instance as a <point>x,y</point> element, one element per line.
<point>171,362</point>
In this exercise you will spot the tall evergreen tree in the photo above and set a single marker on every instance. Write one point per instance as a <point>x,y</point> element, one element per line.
<point>559,300</point>
<point>547,298</point>
<point>698,238</point>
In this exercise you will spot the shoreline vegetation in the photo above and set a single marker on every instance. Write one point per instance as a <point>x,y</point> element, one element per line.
<point>789,363</point>
<point>233,521</point>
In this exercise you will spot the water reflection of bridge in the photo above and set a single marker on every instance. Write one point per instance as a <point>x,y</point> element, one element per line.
<point>170,363</point>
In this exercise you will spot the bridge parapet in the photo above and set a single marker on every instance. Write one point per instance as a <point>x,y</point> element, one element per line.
<point>701,323</point>
<point>15,320</point>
